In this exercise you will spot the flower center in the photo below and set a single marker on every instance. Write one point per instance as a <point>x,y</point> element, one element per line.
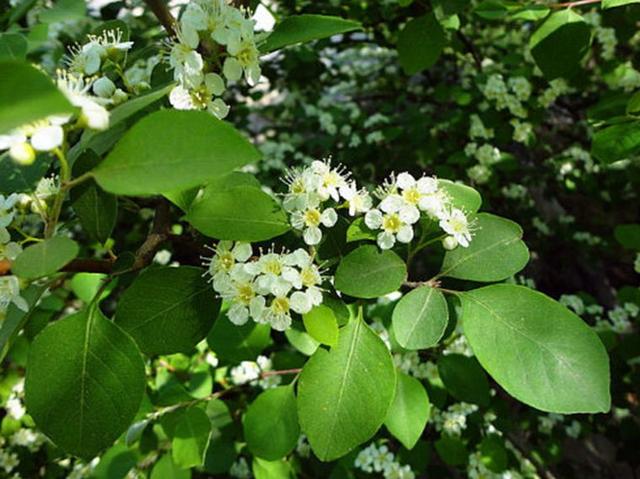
<point>312,217</point>
<point>411,195</point>
<point>391,223</point>
<point>273,266</point>
<point>297,187</point>
<point>226,260</point>
<point>280,305</point>
<point>245,293</point>
<point>309,277</point>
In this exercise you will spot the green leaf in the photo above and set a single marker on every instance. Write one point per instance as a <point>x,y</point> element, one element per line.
<point>321,323</point>
<point>304,28</point>
<point>462,196</point>
<point>96,209</point>
<point>495,253</point>
<point>616,142</point>
<point>166,469</point>
<point>531,13</point>
<point>367,272</point>
<point>86,285</point>
<point>171,150</point>
<point>168,310</point>
<point>23,178</point>
<point>115,463</point>
<point>271,424</point>
<point>491,10</point>
<point>451,450</point>
<point>409,411</point>
<point>64,11</point>
<point>628,236</point>
<point>13,46</point>
<point>271,469</point>
<point>301,340</point>
<point>464,379</point>
<point>420,318</point>
<point>536,349</point>
<point>234,344</point>
<point>15,318</point>
<point>617,3</point>
<point>242,213</point>
<point>27,95</point>
<point>191,438</point>
<point>84,383</point>
<point>420,44</point>
<point>560,43</point>
<point>333,386</point>
<point>45,258</point>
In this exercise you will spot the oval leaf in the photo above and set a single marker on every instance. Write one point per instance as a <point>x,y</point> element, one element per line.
<point>191,438</point>
<point>45,258</point>
<point>334,384</point>
<point>168,310</point>
<point>536,349</point>
<point>464,378</point>
<point>367,272</point>
<point>321,323</point>
<point>242,213</point>
<point>271,424</point>
<point>462,196</point>
<point>495,253</point>
<point>420,318</point>
<point>171,150</point>
<point>420,44</point>
<point>409,411</point>
<point>84,383</point>
<point>616,142</point>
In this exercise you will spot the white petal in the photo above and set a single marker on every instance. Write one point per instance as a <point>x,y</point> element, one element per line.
<point>409,214</point>
<point>242,251</point>
<point>47,138</point>
<point>218,108</point>
<point>391,204</point>
<point>300,302</point>
<point>256,307</point>
<point>386,240</point>
<point>373,219</point>
<point>180,98</point>
<point>238,314</point>
<point>427,184</point>
<point>329,217</point>
<point>214,83</point>
<point>312,236</point>
<point>405,180</point>
<point>232,69</point>
<point>405,235</point>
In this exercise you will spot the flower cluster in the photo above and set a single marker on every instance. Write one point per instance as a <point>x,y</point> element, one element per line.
<point>316,192</point>
<point>454,420</point>
<point>224,35</point>
<point>508,95</point>
<point>379,459</point>
<point>250,372</point>
<point>266,288</point>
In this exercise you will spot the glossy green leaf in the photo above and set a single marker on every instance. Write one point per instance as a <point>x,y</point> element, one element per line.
<point>495,252</point>
<point>560,43</point>
<point>368,272</point>
<point>464,379</point>
<point>168,310</point>
<point>491,10</point>
<point>86,285</point>
<point>531,13</point>
<point>45,258</point>
<point>171,150</point>
<point>409,411</point>
<point>85,380</point>
<point>304,28</point>
<point>462,196</point>
<point>333,386</point>
<point>536,349</point>
<point>271,423</point>
<point>96,209</point>
<point>242,213</point>
<point>263,469</point>
<point>191,438</point>
<point>420,44</point>
<point>420,318</point>
<point>27,95</point>
<point>234,344</point>
<point>115,463</point>
<point>616,142</point>
<point>321,323</point>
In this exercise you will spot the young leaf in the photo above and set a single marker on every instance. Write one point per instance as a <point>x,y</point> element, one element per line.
<point>304,28</point>
<point>271,424</point>
<point>420,44</point>
<point>271,469</point>
<point>171,150</point>
<point>409,411</point>
<point>560,43</point>
<point>84,382</point>
<point>536,349</point>
<point>191,438</point>
<point>168,310</point>
<point>464,379</point>
<point>420,318</point>
<point>321,323</point>
<point>367,272</point>
<point>26,95</point>
<point>96,209</point>
<point>344,394</point>
<point>495,253</point>
<point>616,142</point>
<point>242,213</point>
<point>491,10</point>
<point>45,258</point>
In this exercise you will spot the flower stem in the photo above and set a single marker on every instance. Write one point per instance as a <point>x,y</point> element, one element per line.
<point>65,176</point>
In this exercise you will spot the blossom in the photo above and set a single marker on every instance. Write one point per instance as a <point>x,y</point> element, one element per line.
<point>41,135</point>
<point>200,97</point>
<point>87,59</point>
<point>227,254</point>
<point>187,63</point>
<point>330,179</point>
<point>93,114</point>
<point>455,223</point>
<point>359,200</point>
<point>244,59</point>
<point>309,221</point>
<point>10,293</point>
<point>392,225</point>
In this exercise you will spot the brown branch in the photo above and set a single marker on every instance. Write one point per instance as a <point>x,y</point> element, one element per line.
<point>574,4</point>
<point>471,49</point>
<point>162,13</point>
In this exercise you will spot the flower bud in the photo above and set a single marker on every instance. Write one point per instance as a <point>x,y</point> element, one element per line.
<point>104,87</point>
<point>449,243</point>
<point>22,153</point>
<point>119,96</point>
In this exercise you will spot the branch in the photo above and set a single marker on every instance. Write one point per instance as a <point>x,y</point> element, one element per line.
<point>574,4</point>
<point>162,13</point>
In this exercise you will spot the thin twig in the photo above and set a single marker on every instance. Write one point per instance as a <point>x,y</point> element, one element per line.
<point>574,4</point>
<point>162,13</point>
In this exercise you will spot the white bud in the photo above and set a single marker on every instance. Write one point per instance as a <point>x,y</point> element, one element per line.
<point>449,243</point>
<point>104,87</point>
<point>22,153</point>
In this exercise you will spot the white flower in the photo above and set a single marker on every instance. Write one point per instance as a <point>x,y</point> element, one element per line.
<point>301,185</point>
<point>104,87</point>
<point>455,223</point>
<point>393,228</point>
<point>309,221</point>
<point>396,471</point>
<point>244,59</point>
<point>10,293</point>
<point>227,254</point>
<point>192,21</point>
<point>44,135</point>
<point>330,180</point>
<point>8,249</point>
<point>187,64</point>
<point>74,88</point>
<point>200,97</point>
<point>359,200</point>
<point>245,372</point>
<point>277,314</point>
